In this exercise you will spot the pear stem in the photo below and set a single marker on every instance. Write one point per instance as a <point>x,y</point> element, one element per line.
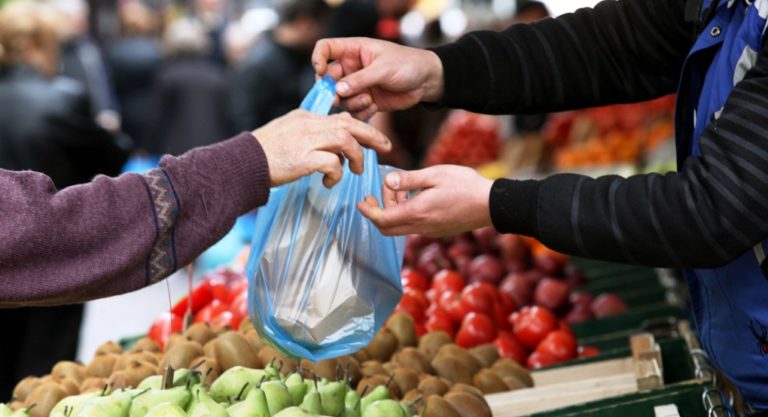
<point>365,391</point>
<point>242,390</point>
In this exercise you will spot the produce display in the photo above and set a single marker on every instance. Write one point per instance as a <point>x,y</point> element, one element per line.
<point>484,287</point>
<point>466,138</point>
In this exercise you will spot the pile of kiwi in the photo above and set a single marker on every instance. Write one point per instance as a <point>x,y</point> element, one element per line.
<point>430,369</point>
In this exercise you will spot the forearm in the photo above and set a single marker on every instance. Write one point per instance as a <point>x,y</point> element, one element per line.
<point>116,235</point>
<point>620,51</point>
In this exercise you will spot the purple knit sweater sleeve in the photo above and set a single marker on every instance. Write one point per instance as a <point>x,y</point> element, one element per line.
<point>115,235</point>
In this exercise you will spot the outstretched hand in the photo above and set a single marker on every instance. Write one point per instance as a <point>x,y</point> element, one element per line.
<point>450,200</point>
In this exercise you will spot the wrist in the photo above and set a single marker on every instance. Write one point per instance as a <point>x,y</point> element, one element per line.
<point>434,83</point>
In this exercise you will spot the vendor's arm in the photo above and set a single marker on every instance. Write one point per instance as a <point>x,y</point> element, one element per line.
<point>710,212</point>
<point>620,51</point>
<point>115,235</point>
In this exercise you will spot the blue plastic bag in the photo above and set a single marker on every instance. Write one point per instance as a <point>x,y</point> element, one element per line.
<point>322,279</point>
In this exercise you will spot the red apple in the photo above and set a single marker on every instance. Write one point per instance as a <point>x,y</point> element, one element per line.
<point>581,299</point>
<point>534,276</point>
<point>432,259</point>
<point>486,268</point>
<point>512,247</point>
<point>462,248</point>
<point>549,262</point>
<point>607,304</point>
<point>573,276</point>
<point>462,264</point>
<point>552,294</point>
<point>579,314</point>
<point>518,288</point>
<point>485,239</point>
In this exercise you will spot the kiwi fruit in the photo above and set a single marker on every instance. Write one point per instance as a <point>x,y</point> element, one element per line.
<point>252,336</point>
<point>146,344</point>
<point>361,356</point>
<point>351,369</point>
<point>232,349</point>
<point>486,354</point>
<point>375,381</point>
<point>25,386</point>
<point>371,368</point>
<point>180,354</point>
<point>431,343</point>
<point>245,325</point>
<point>68,369</point>
<point>118,380</point>
<point>438,407</point>
<point>405,379</point>
<point>412,395</point>
<point>108,347</point>
<point>307,369</point>
<point>390,367</point>
<point>489,382</point>
<point>414,360</point>
<point>469,389</point>
<point>137,371</point>
<point>175,339</point>
<point>101,366</point>
<point>463,355</point>
<point>92,384</point>
<point>327,369</point>
<point>467,405</point>
<point>507,368</point>
<point>124,360</point>
<point>383,345</point>
<point>210,348</point>
<point>71,386</point>
<point>402,326</point>
<point>200,333</point>
<point>16,405</point>
<point>452,368</point>
<point>44,397</point>
<point>208,368</point>
<point>433,385</point>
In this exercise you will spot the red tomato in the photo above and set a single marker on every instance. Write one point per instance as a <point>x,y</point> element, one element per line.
<point>560,345</point>
<point>532,324</point>
<point>220,291</point>
<point>224,318</point>
<point>440,322</point>
<point>476,329</point>
<point>207,313</point>
<point>432,295</point>
<point>509,347</point>
<point>588,351</point>
<point>412,278</point>
<point>163,326</point>
<point>420,329</point>
<point>502,308</point>
<point>539,360</point>
<point>451,303</point>
<point>564,326</point>
<point>419,296</point>
<point>412,306</point>
<point>478,298</point>
<point>200,297</point>
<point>447,280</point>
<point>239,309</point>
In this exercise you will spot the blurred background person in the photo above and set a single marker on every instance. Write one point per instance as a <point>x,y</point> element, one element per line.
<point>45,126</point>
<point>213,16</point>
<point>134,58</point>
<point>277,72</point>
<point>190,102</point>
<point>82,60</point>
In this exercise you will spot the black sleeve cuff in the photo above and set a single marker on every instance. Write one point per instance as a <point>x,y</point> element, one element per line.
<point>514,206</point>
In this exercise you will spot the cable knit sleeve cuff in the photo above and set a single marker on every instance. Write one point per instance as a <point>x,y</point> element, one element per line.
<point>514,206</point>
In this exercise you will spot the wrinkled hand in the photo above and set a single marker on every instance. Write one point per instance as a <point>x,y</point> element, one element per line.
<point>301,143</point>
<point>376,75</point>
<point>451,200</point>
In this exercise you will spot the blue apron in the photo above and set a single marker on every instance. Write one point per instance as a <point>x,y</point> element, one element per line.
<point>730,304</point>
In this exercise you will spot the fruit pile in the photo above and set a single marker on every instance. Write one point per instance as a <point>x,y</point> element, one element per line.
<point>484,287</point>
<point>466,138</point>
<point>610,134</point>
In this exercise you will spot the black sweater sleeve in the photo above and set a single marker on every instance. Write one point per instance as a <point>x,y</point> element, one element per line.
<point>620,51</point>
<point>704,216</point>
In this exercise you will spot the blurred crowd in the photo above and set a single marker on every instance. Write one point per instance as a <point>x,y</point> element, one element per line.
<point>86,85</point>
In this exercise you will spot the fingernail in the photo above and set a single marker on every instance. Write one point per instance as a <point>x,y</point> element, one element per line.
<point>393,181</point>
<point>342,88</point>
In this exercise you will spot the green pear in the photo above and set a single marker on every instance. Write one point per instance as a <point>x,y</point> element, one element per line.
<point>294,412</point>
<point>69,406</point>
<point>351,404</point>
<point>312,402</point>
<point>406,410</point>
<point>278,396</point>
<point>203,405</point>
<point>273,374</point>
<point>21,412</point>
<point>230,384</point>
<point>296,387</point>
<point>179,396</point>
<point>180,378</point>
<point>332,398</point>
<point>5,411</point>
<point>384,408</point>
<point>380,393</point>
<point>254,405</point>
<point>166,410</point>
<point>116,404</point>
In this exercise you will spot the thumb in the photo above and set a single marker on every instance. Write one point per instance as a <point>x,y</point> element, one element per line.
<point>360,81</point>
<point>410,180</point>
